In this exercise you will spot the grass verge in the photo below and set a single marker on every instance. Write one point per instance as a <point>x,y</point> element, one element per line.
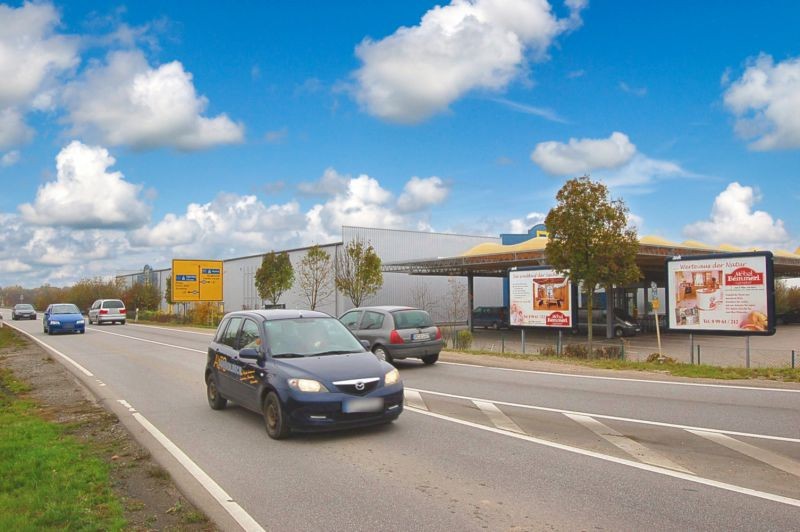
<point>700,371</point>
<point>48,480</point>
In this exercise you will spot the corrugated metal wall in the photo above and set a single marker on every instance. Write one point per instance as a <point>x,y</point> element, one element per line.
<point>435,293</point>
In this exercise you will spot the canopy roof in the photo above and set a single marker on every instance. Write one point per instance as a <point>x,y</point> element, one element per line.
<point>494,260</point>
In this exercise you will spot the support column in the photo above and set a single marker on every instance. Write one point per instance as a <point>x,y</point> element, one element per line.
<point>609,312</point>
<point>470,299</point>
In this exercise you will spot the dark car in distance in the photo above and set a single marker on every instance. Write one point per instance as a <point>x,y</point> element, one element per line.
<point>494,317</point>
<point>788,316</point>
<point>396,332</point>
<point>303,370</point>
<point>23,311</point>
<point>63,318</point>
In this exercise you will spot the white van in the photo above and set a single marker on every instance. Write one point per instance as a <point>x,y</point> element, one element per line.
<point>107,311</point>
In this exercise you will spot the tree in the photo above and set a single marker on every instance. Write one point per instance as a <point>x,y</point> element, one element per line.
<point>316,275</point>
<point>274,276</point>
<point>589,236</point>
<point>358,271</point>
<point>168,291</point>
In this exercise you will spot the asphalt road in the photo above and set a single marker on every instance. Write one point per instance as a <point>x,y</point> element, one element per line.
<point>477,448</point>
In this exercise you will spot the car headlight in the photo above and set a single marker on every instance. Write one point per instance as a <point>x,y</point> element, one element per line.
<point>79,322</point>
<point>55,322</point>
<point>307,385</point>
<point>391,377</point>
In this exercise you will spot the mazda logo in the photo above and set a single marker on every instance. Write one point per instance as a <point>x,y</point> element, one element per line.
<point>359,386</point>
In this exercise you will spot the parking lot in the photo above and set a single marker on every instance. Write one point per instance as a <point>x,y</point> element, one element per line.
<point>765,351</point>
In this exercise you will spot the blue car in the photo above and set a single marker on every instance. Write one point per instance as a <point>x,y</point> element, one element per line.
<point>302,370</point>
<point>63,317</point>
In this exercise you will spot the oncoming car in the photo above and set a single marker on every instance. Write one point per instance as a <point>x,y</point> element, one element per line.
<point>23,311</point>
<point>303,370</point>
<point>63,317</point>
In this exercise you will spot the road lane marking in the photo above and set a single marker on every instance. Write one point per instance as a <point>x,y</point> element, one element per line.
<point>53,349</point>
<point>498,418</point>
<point>413,398</point>
<point>151,341</point>
<point>762,455</point>
<point>614,418</point>
<point>648,381</point>
<point>633,448</point>
<point>621,461</point>
<point>170,329</point>
<point>215,490</point>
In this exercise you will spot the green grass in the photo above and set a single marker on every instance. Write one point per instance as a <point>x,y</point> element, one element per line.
<point>678,369</point>
<point>8,338</point>
<point>48,480</point>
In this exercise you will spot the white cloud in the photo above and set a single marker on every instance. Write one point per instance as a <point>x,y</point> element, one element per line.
<point>580,156</point>
<point>419,194</point>
<point>13,130</point>
<point>330,183</point>
<point>545,113</point>
<point>636,91</point>
<point>14,266</point>
<point>469,44</point>
<point>642,170</point>
<point>30,53</point>
<point>766,102</point>
<point>85,194</point>
<point>9,159</point>
<point>734,220</point>
<point>125,101</point>
<point>521,226</point>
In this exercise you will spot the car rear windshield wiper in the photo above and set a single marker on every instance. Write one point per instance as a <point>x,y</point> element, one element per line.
<point>323,353</point>
<point>288,355</point>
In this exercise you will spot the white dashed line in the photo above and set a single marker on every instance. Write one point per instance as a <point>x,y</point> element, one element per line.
<point>762,455</point>
<point>633,448</point>
<point>498,418</point>
<point>622,461</point>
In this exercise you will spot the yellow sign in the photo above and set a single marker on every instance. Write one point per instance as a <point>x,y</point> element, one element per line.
<point>196,280</point>
<point>655,303</point>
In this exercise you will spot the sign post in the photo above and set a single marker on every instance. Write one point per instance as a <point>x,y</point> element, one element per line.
<point>656,304</point>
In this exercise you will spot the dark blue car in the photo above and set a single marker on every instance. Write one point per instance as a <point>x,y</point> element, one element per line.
<point>63,317</point>
<point>303,370</point>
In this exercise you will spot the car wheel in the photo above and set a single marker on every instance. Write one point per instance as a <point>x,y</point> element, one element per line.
<point>382,353</point>
<point>618,332</point>
<point>275,418</point>
<point>215,400</point>
<point>430,359</point>
<point>83,331</point>
<point>122,322</point>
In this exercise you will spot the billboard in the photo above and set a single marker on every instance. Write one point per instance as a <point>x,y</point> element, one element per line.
<point>196,280</point>
<point>541,297</point>
<point>731,293</point>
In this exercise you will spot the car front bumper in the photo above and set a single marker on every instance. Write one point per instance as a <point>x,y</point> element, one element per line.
<point>311,412</point>
<point>66,328</point>
<point>23,316</point>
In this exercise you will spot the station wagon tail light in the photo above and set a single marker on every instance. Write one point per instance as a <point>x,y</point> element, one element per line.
<point>103,311</point>
<point>395,338</point>
<point>438,333</point>
<point>122,311</point>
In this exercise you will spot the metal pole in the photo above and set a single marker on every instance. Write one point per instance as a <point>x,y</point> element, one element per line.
<point>502,343</point>
<point>560,342</point>
<point>691,348</point>
<point>747,351</point>
<point>792,358</point>
<point>522,332</point>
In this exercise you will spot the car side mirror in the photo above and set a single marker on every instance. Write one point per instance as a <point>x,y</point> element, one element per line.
<point>249,353</point>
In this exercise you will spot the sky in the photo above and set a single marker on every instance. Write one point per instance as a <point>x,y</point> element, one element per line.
<point>131,134</point>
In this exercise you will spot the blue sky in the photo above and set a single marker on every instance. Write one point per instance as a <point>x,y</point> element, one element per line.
<point>134,133</point>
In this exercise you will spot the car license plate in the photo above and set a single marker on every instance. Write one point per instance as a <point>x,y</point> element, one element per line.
<point>366,404</point>
<point>68,326</point>
<point>421,336</point>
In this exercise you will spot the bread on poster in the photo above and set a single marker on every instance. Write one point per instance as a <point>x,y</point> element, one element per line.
<point>755,321</point>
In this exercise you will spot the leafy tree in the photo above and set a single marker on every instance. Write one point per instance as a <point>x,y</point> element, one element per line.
<point>274,276</point>
<point>142,296</point>
<point>786,297</point>
<point>316,274</point>
<point>86,291</point>
<point>590,237</point>
<point>168,291</point>
<point>358,271</point>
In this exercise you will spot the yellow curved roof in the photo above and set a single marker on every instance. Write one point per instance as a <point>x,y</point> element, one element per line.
<point>539,243</point>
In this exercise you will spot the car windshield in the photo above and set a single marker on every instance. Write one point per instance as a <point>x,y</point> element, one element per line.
<point>23,306</point>
<point>412,319</point>
<point>309,337</point>
<point>65,309</point>
<point>621,314</point>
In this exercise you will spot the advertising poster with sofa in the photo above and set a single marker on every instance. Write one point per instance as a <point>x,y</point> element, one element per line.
<point>540,298</point>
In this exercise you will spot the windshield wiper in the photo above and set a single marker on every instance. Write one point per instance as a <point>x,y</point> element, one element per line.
<point>323,353</point>
<point>288,355</point>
